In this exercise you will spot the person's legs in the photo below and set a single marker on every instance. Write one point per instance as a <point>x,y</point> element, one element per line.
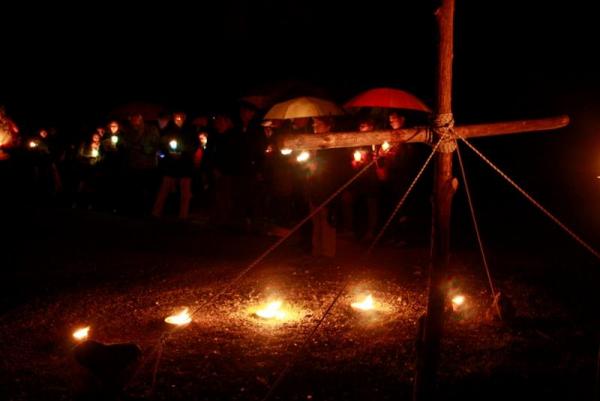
<point>166,187</point>
<point>347,204</point>
<point>223,203</point>
<point>324,235</point>
<point>317,233</point>
<point>328,234</point>
<point>185,185</point>
<point>372,216</point>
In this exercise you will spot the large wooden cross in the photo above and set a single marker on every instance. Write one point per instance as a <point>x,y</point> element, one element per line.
<point>444,187</point>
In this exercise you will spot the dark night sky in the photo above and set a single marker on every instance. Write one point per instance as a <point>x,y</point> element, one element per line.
<point>69,65</point>
<point>85,58</point>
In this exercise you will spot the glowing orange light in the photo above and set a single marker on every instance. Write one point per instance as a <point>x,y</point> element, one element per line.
<point>81,334</point>
<point>114,139</point>
<point>385,146</point>
<point>173,144</point>
<point>95,153</point>
<point>302,157</point>
<point>286,152</point>
<point>457,302</point>
<point>272,311</point>
<point>358,155</point>
<point>180,319</point>
<point>365,304</point>
<point>33,144</point>
<point>269,149</point>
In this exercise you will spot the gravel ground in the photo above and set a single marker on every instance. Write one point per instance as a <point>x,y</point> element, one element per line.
<point>122,277</point>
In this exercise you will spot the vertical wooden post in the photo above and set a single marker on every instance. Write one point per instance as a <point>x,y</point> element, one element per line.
<point>444,187</point>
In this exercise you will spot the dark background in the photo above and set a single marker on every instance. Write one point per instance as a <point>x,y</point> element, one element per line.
<point>68,66</point>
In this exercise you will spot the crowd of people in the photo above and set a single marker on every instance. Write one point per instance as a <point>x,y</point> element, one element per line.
<point>225,164</point>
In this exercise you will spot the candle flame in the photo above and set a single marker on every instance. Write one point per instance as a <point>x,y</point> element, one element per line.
<point>179,319</point>
<point>95,153</point>
<point>358,156</point>
<point>366,304</point>
<point>272,311</point>
<point>302,157</point>
<point>457,302</point>
<point>33,144</point>
<point>82,333</point>
<point>173,144</point>
<point>385,146</point>
<point>286,151</point>
<point>114,139</point>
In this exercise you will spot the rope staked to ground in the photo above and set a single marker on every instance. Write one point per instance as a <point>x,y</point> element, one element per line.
<point>403,199</point>
<point>164,337</point>
<point>306,341</point>
<point>475,223</point>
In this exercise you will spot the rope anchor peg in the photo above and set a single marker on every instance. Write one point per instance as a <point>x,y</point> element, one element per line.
<point>501,309</point>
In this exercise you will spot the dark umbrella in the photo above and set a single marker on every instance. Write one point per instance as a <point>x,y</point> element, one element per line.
<point>150,111</point>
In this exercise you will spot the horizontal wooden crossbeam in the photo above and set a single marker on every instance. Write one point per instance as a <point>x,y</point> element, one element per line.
<point>415,134</point>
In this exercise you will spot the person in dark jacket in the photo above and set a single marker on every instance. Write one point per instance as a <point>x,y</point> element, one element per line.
<point>89,157</point>
<point>326,171</point>
<point>113,165</point>
<point>46,181</point>
<point>177,148</point>
<point>141,142</point>
<point>250,144</point>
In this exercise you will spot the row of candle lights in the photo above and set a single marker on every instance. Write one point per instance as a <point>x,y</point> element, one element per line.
<point>360,156</point>
<point>303,156</point>
<point>274,311</point>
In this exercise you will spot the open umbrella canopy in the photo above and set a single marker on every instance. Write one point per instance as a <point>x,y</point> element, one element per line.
<point>303,107</point>
<point>149,111</point>
<point>389,98</point>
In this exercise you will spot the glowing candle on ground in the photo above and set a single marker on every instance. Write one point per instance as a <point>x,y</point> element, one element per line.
<point>271,311</point>
<point>365,304</point>
<point>180,319</point>
<point>458,302</point>
<point>82,333</point>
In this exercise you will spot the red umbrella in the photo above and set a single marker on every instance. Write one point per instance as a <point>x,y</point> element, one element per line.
<point>388,98</point>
